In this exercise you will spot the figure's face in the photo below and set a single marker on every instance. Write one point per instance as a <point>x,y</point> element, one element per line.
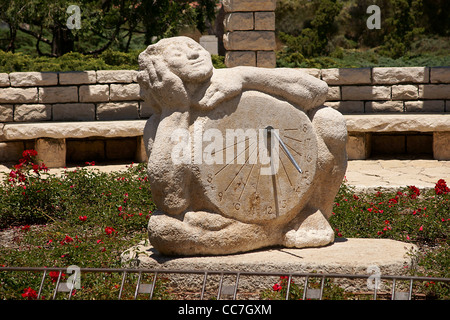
<point>189,60</point>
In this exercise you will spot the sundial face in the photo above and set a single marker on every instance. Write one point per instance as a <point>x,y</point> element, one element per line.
<point>266,162</point>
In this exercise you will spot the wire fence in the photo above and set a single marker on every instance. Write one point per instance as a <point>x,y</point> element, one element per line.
<point>144,282</point>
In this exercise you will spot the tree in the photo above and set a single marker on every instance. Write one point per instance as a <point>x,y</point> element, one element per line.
<point>313,39</point>
<point>402,27</point>
<point>103,22</point>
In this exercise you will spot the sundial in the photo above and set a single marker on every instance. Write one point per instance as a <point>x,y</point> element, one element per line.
<point>239,158</point>
<point>270,165</point>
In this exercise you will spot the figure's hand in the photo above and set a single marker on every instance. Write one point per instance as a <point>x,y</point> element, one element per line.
<point>165,87</point>
<point>219,90</point>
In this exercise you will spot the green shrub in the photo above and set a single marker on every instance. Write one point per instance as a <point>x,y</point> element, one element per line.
<point>74,61</point>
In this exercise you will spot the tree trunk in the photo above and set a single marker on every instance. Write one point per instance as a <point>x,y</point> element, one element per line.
<point>62,42</point>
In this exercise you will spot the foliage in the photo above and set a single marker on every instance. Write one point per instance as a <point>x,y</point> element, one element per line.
<point>102,23</point>
<point>403,24</point>
<point>87,218</point>
<point>74,61</point>
<point>401,27</point>
<point>354,58</point>
<point>312,40</point>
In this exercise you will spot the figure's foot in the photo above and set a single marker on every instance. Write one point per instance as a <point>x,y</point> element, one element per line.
<point>204,233</point>
<point>311,231</point>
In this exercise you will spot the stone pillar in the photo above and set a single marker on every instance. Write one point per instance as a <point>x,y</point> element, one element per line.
<point>441,145</point>
<point>358,146</point>
<point>52,152</point>
<point>250,33</point>
<point>141,154</point>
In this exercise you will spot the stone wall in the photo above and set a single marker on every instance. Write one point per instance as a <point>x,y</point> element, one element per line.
<point>71,96</point>
<point>114,95</point>
<point>250,33</point>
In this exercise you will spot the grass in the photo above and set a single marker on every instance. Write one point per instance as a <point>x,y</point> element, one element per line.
<point>88,218</point>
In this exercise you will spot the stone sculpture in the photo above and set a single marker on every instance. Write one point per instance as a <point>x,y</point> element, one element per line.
<point>239,158</point>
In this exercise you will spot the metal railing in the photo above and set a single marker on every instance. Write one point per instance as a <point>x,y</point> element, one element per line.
<point>230,291</point>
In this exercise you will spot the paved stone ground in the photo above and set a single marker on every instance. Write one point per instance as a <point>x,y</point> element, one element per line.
<point>364,175</point>
<point>390,174</point>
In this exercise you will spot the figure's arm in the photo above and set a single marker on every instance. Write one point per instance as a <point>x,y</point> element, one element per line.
<point>296,86</point>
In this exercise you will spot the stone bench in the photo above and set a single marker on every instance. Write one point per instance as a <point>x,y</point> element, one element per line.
<point>80,141</point>
<point>417,132</point>
<point>57,142</point>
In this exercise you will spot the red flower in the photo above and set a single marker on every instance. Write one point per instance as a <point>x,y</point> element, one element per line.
<point>29,293</point>
<point>29,153</point>
<point>68,239</point>
<point>441,187</point>
<point>54,275</point>
<point>414,192</point>
<point>277,287</point>
<point>25,228</point>
<point>109,230</point>
<point>82,218</point>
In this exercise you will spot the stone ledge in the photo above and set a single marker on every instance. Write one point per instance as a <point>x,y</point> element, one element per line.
<point>60,130</point>
<point>349,256</point>
<point>398,122</point>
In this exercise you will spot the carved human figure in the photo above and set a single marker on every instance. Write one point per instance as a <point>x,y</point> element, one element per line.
<point>203,212</point>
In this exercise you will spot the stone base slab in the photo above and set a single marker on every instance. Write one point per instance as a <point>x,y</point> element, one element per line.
<point>344,256</point>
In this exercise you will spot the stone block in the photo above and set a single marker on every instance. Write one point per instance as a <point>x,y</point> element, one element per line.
<point>94,93</point>
<point>265,20</point>
<point>240,58</point>
<point>32,112</point>
<point>18,95</point>
<point>441,145</point>
<point>383,106</point>
<point>6,112</point>
<point>11,151</point>
<point>58,94</point>
<point>398,122</point>
<point>365,92</point>
<point>30,79</point>
<point>425,106</point>
<point>76,130</point>
<point>266,59</point>
<point>334,93</point>
<point>145,109</point>
<point>141,153</point>
<point>116,76</point>
<point>434,91</point>
<point>391,75</point>
<point>250,40</point>
<point>51,152</point>
<point>440,75</point>
<point>125,92</point>
<point>77,77</point>
<point>346,76</point>
<point>210,43</point>
<point>121,149</point>
<point>85,150</point>
<point>238,21</point>
<point>74,112</point>
<point>118,111</point>
<point>249,5</point>
<point>347,107</point>
<point>358,146</point>
<point>4,80</point>
<point>405,92</point>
